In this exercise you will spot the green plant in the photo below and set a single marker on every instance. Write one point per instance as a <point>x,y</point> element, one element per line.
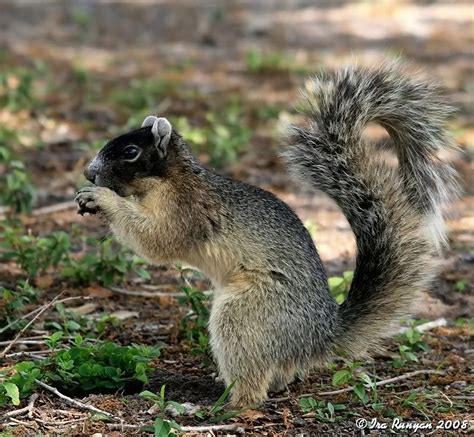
<point>215,414</point>
<point>106,262</point>
<point>411,343</point>
<point>84,367</point>
<point>227,136</point>
<point>98,366</point>
<point>353,374</point>
<point>143,93</point>
<point>35,254</point>
<point>73,323</point>
<point>323,411</point>
<point>461,285</point>
<point>258,61</point>
<point>18,382</point>
<point>224,137</point>
<point>194,324</point>
<point>16,89</point>
<point>340,286</point>
<point>16,189</point>
<point>417,401</point>
<point>12,301</point>
<point>162,427</point>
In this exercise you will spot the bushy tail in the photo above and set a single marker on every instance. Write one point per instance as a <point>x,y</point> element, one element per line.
<point>394,212</point>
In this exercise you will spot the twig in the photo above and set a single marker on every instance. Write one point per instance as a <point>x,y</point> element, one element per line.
<point>146,293</point>
<point>20,422</point>
<point>69,204</point>
<point>463,398</point>
<point>74,402</point>
<point>143,293</point>
<point>28,409</point>
<point>426,326</point>
<point>60,422</point>
<point>377,384</point>
<point>45,307</point>
<point>14,322</point>
<point>7,342</point>
<point>43,210</point>
<point>206,428</point>
<point>35,355</point>
<point>449,400</point>
<point>384,381</point>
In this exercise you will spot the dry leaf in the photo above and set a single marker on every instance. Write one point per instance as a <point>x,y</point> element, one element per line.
<point>44,281</point>
<point>124,314</point>
<point>252,415</point>
<point>87,308</point>
<point>98,291</point>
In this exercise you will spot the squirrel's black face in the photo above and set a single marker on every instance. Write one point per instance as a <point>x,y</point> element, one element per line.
<point>138,154</point>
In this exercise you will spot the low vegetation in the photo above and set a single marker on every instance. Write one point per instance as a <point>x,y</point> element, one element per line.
<point>88,318</point>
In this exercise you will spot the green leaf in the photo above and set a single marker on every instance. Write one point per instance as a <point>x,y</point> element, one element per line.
<point>335,281</point>
<point>331,409</point>
<point>180,409</point>
<point>12,392</point>
<point>161,427</point>
<point>359,390</point>
<point>220,402</point>
<point>225,416</point>
<point>149,395</point>
<point>341,377</point>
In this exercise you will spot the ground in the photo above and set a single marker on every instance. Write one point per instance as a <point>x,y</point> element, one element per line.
<point>74,74</point>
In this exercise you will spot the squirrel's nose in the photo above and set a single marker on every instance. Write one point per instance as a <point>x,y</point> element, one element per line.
<point>90,174</point>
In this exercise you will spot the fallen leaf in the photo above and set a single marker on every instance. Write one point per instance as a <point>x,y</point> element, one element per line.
<point>87,308</point>
<point>124,314</point>
<point>98,291</point>
<point>252,415</point>
<point>44,281</point>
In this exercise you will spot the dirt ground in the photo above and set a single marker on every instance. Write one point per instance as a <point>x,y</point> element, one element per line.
<point>92,49</point>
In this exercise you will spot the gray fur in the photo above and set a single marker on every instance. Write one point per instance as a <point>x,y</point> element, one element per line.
<point>272,313</point>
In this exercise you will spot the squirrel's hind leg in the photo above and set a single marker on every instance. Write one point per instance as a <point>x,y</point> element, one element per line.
<point>242,343</point>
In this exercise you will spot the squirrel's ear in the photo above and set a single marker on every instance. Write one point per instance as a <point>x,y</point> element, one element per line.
<point>149,121</point>
<point>161,130</point>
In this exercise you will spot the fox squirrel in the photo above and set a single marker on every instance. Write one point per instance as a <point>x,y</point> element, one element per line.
<point>272,314</point>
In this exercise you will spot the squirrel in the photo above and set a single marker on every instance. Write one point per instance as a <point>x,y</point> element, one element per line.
<point>272,314</point>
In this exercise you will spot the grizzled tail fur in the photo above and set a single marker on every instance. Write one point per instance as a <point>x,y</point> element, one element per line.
<point>395,213</point>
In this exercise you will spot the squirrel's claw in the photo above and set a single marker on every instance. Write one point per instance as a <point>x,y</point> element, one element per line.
<point>85,198</point>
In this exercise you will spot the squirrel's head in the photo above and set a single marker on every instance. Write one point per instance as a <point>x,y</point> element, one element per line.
<point>131,157</point>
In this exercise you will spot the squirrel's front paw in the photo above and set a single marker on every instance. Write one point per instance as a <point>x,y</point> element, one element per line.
<point>89,199</point>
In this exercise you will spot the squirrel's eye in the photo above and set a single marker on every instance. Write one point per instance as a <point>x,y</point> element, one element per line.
<point>131,153</point>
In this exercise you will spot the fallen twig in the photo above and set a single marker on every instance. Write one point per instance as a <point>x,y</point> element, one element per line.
<point>205,428</point>
<point>384,381</point>
<point>426,326</point>
<point>28,409</point>
<point>14,322</point>
<point>463,398</point>
<point>143,293</point>
<point>236,428</point>
<point>35,355</point>
<point>44,308</point>
<point>60,422</point>
<point>75,402</point>
<point>377,384</point>
<point>62,206</point>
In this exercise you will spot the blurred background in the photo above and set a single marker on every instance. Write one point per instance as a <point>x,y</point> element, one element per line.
<point>227,73</point>
<point>74,74</point>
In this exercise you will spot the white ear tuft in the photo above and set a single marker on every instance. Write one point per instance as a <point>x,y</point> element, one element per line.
<point>149,121</point>
<point>161,130</point>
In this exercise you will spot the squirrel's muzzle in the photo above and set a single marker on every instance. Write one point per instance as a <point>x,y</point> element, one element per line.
<point>90,174</point>
<point>92,170</point>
